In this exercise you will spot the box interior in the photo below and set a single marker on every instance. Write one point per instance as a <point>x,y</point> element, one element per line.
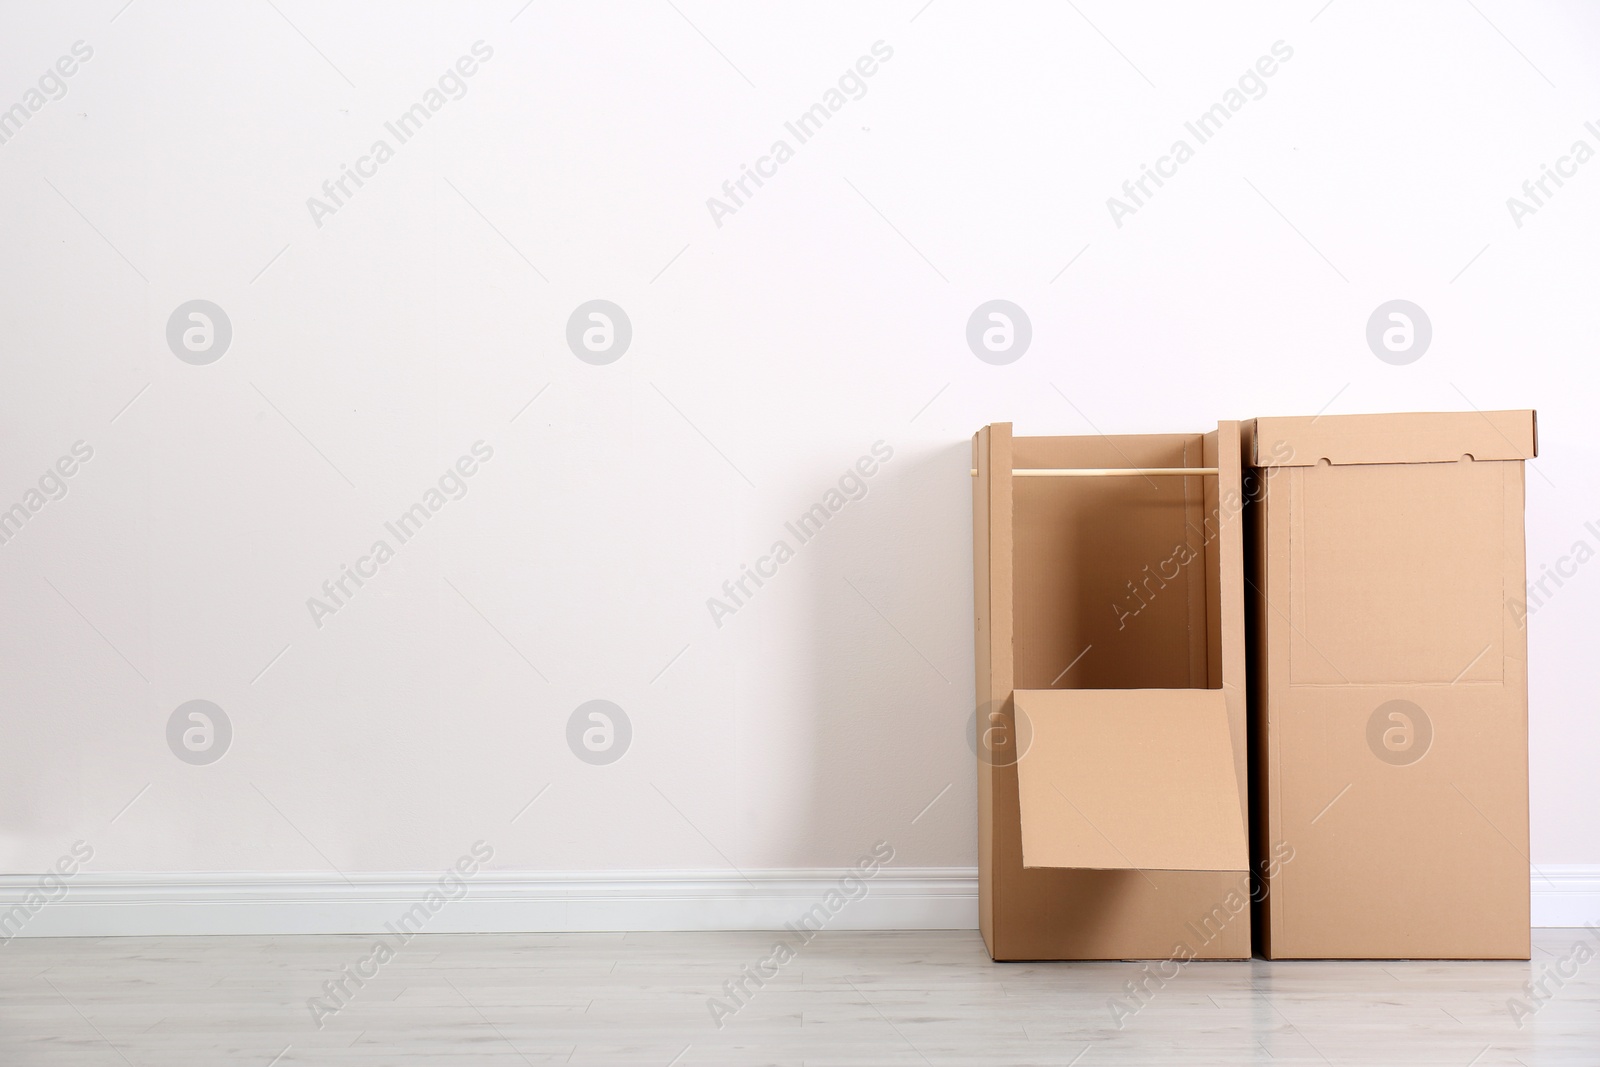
<point>1114,578</point>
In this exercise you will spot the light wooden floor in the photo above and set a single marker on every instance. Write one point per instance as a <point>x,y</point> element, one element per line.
<point>846,998</point>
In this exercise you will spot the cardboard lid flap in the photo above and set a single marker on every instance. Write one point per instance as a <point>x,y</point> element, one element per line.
<point>1422,437</point>
<point>1124,779</point>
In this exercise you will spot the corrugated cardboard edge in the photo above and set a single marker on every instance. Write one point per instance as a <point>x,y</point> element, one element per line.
<point>1262,828</point>
<point>1226,455</point>
<point>981,614</point>
<point>1416,437</point>
<point>991,587</point>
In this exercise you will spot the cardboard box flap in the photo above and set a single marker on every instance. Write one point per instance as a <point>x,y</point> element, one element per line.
<point>1123,779</point>
<point>1424,437</point>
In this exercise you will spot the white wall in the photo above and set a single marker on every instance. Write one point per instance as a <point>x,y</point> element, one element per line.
<point>768,354</point>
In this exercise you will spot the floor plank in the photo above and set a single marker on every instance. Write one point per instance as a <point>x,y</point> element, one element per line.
<point>870,999</point>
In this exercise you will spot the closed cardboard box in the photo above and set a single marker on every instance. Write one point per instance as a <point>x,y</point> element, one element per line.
<point>1111,725</point>
<point>1389,684</point>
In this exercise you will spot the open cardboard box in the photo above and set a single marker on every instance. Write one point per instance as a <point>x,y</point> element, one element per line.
<point>1389,684</point>
<point>1111,725</point>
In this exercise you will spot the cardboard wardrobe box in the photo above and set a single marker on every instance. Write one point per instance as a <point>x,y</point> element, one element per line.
<point>1110,727</point>
<point>1389,688</point>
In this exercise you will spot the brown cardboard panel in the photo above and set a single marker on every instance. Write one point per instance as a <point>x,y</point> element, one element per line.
<point>1129,779</point>
<point>1396,574</point>
<point>1222,525</point>
<point>992,565</point>
<point>1419,437</point>
<point>983,672</point>
<point>1051,556</point>
<point>1070,914</point>
<point>1389,688</point>
<point>1215,489</point>
<point>1427,859</point>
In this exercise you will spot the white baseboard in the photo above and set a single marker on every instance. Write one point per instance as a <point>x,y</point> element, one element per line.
<point>1566,894</point>
<point>494,902</point>
<point>929,898</point>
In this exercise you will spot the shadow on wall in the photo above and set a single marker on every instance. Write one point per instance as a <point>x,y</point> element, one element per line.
<point>890,665</point>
